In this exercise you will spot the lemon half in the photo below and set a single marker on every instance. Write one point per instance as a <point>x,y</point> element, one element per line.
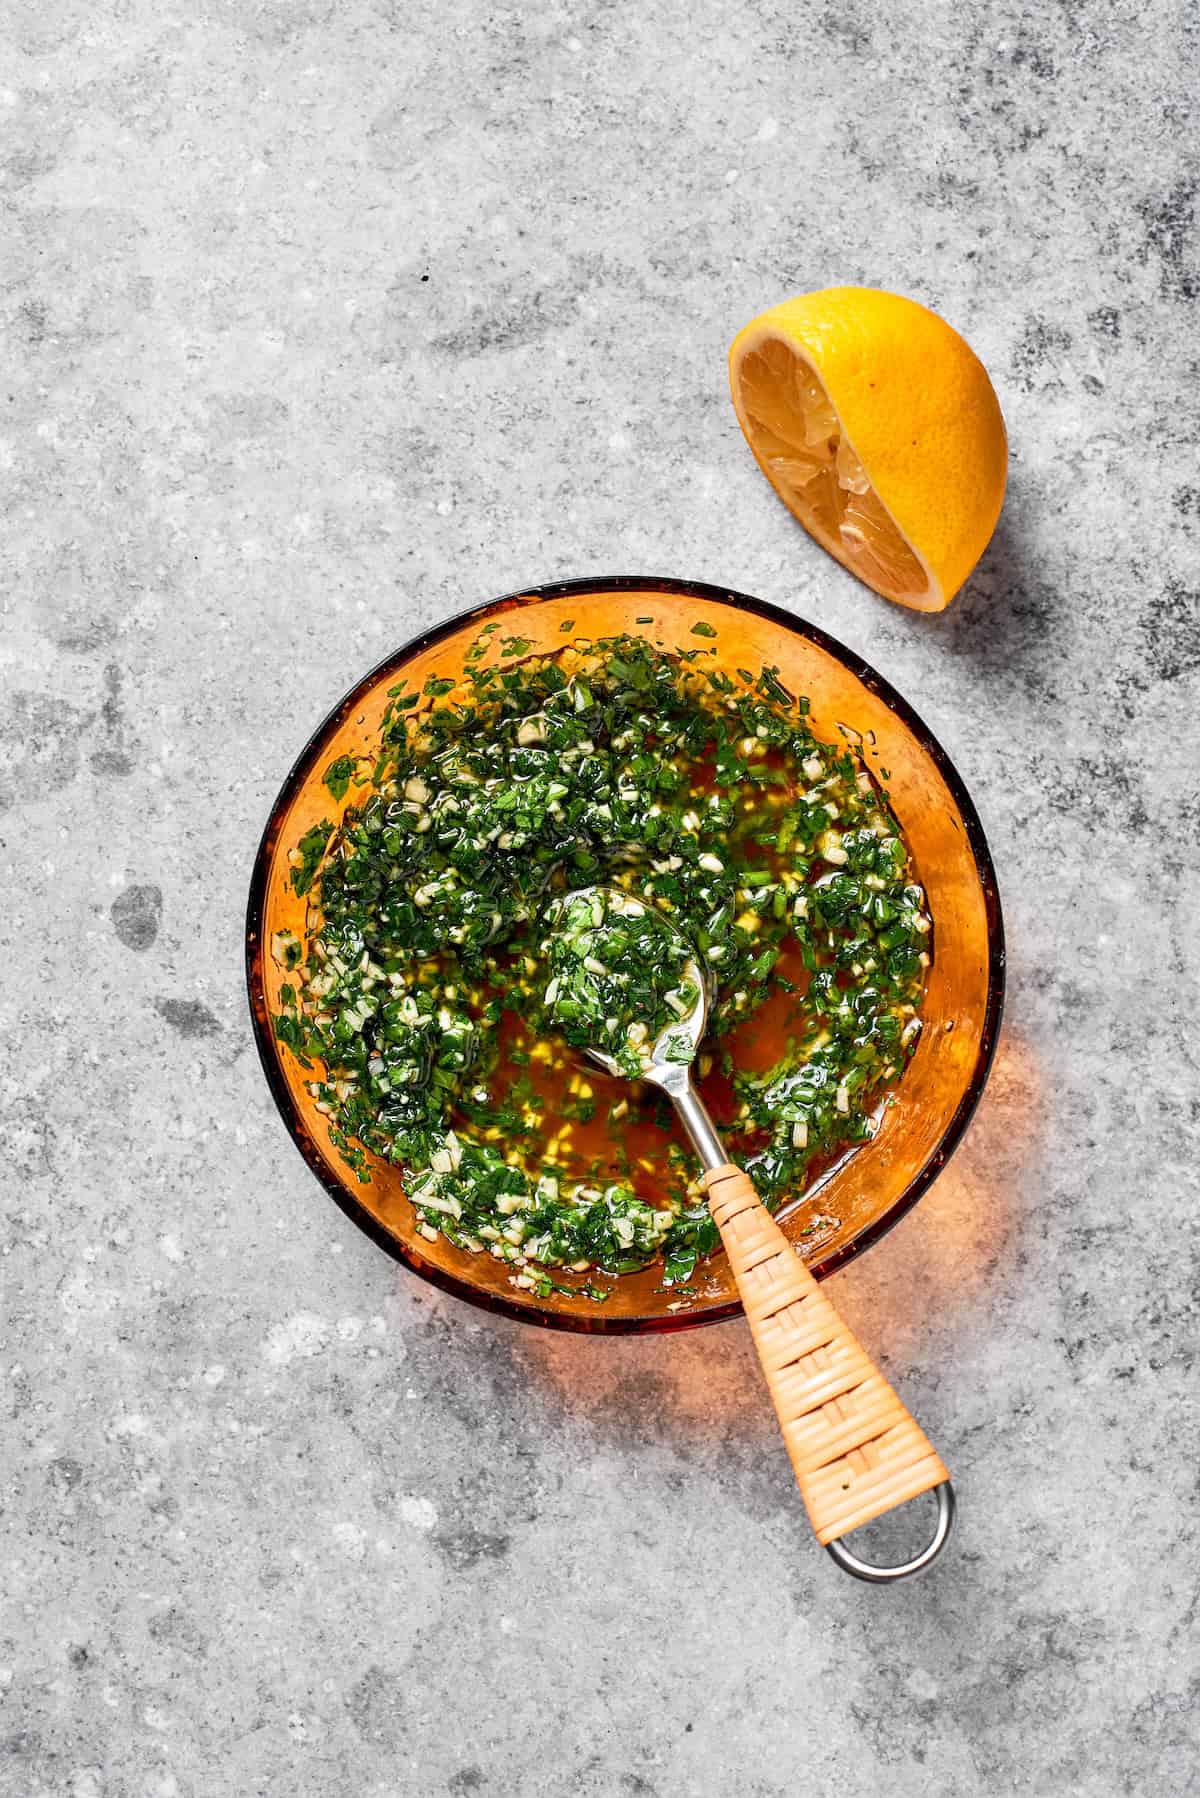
<point>879,429</point>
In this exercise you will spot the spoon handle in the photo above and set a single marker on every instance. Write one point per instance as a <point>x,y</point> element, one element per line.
<point>855,1450</point>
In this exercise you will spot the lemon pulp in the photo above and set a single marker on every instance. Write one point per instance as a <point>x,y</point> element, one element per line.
<point>812,465</point>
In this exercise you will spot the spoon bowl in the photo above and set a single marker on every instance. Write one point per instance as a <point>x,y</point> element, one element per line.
<point>663,1067</point>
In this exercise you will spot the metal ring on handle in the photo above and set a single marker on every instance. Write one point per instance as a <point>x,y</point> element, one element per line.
<point>849,1562</point>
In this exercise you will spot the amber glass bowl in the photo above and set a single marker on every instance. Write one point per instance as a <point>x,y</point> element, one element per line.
<point>874,1187</point>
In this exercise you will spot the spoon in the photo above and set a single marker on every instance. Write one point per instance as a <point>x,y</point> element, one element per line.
<point>855,1450</point>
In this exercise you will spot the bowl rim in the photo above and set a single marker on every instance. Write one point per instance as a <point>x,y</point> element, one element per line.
<point>594,1322</point>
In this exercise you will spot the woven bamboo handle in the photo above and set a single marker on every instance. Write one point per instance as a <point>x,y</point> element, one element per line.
<point>856,1451</point>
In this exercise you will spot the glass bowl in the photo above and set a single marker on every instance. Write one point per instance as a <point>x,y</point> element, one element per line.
<point>872,1188</point>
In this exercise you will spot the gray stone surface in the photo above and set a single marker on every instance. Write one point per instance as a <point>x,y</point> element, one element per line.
<point>322,321</point>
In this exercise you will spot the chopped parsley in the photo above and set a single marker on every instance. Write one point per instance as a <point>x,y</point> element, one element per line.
<point>339,774</point>
<point>306,857</point>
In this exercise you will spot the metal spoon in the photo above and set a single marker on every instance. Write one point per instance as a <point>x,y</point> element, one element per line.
<point>856,1451</point>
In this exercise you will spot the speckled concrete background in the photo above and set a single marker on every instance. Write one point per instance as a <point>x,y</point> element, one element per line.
<point>322,321</point>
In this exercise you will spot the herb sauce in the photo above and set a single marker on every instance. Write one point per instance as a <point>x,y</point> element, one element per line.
<point>433,996</point>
